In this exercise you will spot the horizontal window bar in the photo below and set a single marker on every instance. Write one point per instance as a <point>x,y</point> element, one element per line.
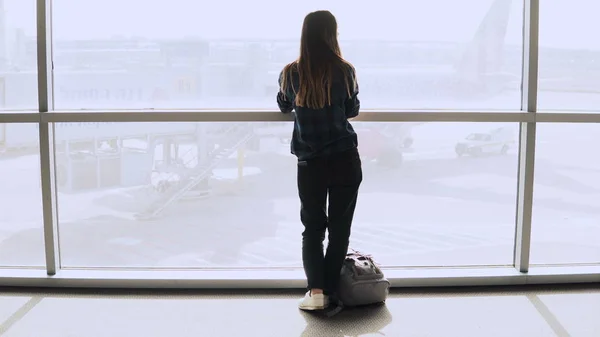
<point>20,117</point>
<point>291,279</point>
<point>567,117</point>
<point>274,116</point>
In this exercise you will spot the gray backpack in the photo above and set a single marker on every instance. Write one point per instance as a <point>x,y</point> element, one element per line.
<point>362,282</point>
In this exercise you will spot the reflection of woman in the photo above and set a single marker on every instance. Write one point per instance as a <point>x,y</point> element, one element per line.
<point>321,88</point>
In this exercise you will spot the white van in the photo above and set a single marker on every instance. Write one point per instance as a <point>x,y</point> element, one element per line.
<point>496,141</point>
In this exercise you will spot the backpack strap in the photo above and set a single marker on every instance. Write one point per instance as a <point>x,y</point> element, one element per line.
<point>336,306</point>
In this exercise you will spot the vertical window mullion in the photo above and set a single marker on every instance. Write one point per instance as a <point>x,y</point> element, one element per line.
<point>527,136</point>
<point>46,135</point>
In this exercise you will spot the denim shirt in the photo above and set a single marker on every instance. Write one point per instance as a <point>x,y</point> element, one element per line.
<point>326,131</point>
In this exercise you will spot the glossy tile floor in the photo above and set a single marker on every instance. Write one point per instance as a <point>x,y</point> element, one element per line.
<point>511,312</point>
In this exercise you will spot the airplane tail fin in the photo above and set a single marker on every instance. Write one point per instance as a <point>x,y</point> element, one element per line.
<point>484,54</point>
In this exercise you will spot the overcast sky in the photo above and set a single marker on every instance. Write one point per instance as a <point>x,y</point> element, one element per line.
<point>565,23</point>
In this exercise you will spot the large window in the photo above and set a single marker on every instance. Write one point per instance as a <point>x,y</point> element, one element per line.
<point>569,56</point>
<point>18,66</point>
<point>409,54</point>
<point>162,152</point>
<point>566,223</point>
<point>224,195</point>
<point>21,238</point>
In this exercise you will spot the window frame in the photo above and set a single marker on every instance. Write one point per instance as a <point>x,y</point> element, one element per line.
<point>519,273</point>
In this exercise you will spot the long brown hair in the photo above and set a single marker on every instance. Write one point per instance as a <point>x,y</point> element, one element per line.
<point>320,57</point>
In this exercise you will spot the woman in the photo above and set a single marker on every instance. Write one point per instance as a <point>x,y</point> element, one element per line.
<point>321,90</point>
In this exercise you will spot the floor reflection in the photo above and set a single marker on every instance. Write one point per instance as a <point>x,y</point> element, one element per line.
<point>364,321</point>
<point>541,311</point>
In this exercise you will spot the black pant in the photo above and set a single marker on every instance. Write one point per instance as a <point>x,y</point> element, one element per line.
<point>338,176</point>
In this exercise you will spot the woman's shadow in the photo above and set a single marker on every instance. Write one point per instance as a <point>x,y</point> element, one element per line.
<point>350,322</point>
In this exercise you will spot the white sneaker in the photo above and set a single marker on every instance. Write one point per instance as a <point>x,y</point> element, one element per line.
<point>314,302</point>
